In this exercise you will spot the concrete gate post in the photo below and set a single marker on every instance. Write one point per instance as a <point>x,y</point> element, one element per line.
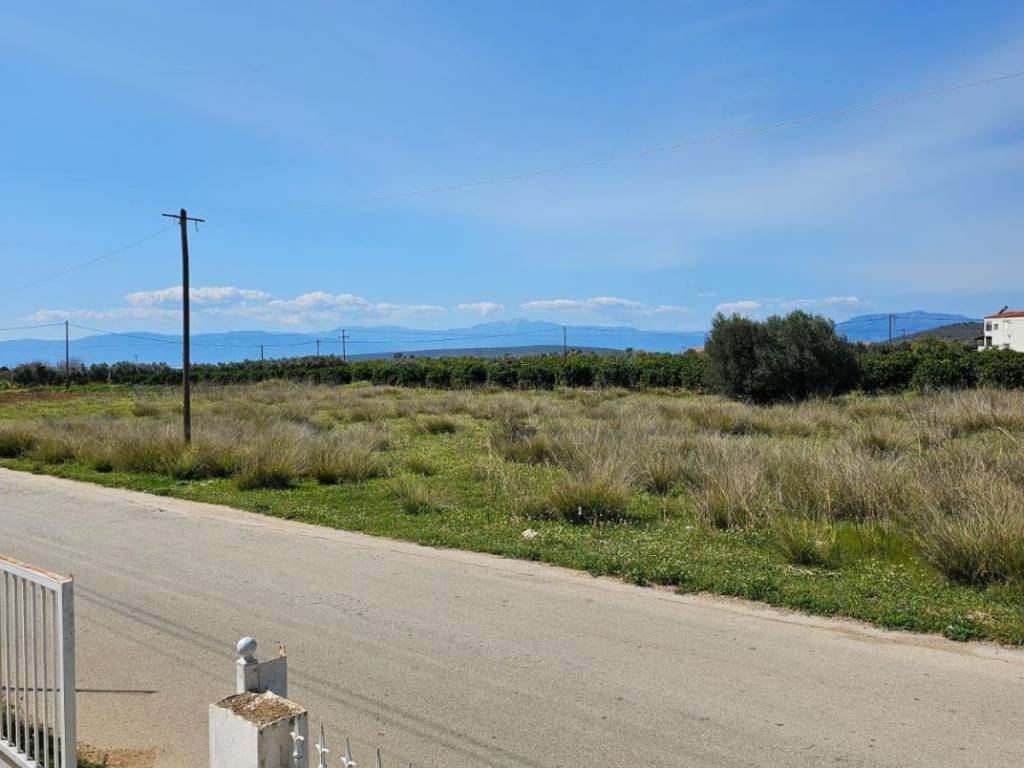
<point>258,727</point>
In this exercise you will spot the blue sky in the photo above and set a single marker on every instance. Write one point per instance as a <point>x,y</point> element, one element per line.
<point>281,123</point>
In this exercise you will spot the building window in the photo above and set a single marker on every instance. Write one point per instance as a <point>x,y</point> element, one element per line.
<point>988,326</point>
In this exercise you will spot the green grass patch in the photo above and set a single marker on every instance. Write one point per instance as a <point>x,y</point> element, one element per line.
<point>691,519</point>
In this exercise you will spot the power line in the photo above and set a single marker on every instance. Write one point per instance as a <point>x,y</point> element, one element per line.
<point>30,327</point>
<point>898,318</point>
<point>763,128</point>
<point>87,263</point>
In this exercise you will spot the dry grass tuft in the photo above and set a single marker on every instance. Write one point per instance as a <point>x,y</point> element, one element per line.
<point>414,497</point>
<point>972,531</point>
<point>436,425</point>
<point>16,440</point>
<point>805,541</point>
<point>333,461</point>
<point>587,500</point>
<point>421,465</point>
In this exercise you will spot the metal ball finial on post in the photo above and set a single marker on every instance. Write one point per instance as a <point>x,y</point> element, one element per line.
<point>246,648</point>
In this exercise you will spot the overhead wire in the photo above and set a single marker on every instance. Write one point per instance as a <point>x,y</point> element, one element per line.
<point>88,262</point>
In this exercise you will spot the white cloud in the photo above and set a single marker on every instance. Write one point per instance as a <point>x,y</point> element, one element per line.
<point>322,300</point>
<point>120,313</point>
<point>738,307</point>
<point>200,295</point>
<point>601,303</point>
<point>229,301</point>
<point>767,306</point>
<point>482,307</point>
<point>398,310</point>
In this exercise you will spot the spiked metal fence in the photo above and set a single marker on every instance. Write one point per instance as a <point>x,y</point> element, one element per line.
<point>323,751</point>
<point>37,667</point>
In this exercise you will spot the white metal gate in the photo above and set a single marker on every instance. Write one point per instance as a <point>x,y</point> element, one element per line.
<point>37,667</point>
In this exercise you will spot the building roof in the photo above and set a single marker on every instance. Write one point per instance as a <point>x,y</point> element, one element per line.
<point>1006,313</point>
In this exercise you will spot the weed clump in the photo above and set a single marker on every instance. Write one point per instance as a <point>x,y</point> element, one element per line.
<point>974,533</point>
<point>421,465</point>
<point>333,461</point>
<point>16,441</point>
<point>414,497</point>
<point>588,501</point>
<point>271,465</point>
<point>436,425</point>
<point>805,541</point>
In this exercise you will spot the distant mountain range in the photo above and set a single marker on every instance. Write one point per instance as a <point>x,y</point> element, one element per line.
<point>360,341</point>
<point>876,327</point>
<point>510,337</point>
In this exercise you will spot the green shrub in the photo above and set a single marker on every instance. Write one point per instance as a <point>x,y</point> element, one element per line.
<point>781,358</point>
<point>1000,368</point>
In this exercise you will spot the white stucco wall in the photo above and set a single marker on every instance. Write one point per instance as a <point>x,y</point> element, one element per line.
<point>1004,333</point>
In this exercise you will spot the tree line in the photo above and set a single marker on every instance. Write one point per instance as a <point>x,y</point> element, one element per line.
<point>782,358</point>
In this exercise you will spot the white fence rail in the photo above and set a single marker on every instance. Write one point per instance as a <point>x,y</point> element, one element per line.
<point>37,667</point>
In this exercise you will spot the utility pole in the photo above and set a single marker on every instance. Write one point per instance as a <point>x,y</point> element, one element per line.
<point>565,348</point>
<point>261,353</point>
<point>67,358</point>
<point>318,347</point>
<point>890,329</point>
<point>186,365</point>
<point>344,352</point>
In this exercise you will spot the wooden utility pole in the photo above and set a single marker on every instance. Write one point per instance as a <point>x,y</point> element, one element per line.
<point>344,351</point>
<point>318,347</point>
<point>565,348</point>
<point>186,363</point>
<point>261,353</point>
<point>890,329</point>
<point>67,358</point>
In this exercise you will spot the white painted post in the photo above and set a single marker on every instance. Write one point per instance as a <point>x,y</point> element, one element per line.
<point>66,652</point>
<point>258,727</point>
<point>258,730</point>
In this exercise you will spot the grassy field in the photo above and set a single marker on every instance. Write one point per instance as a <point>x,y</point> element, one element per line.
<point>907,511</point>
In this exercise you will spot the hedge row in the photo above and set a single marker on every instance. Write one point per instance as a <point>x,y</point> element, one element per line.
<point>936,365</point>
<point>880,368</point>
<point>638,370</point>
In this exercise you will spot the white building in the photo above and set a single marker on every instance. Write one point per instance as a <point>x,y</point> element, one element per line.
<point>1004,330</point>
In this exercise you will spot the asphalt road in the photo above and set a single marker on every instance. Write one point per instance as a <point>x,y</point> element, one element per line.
<point>456,659</point>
